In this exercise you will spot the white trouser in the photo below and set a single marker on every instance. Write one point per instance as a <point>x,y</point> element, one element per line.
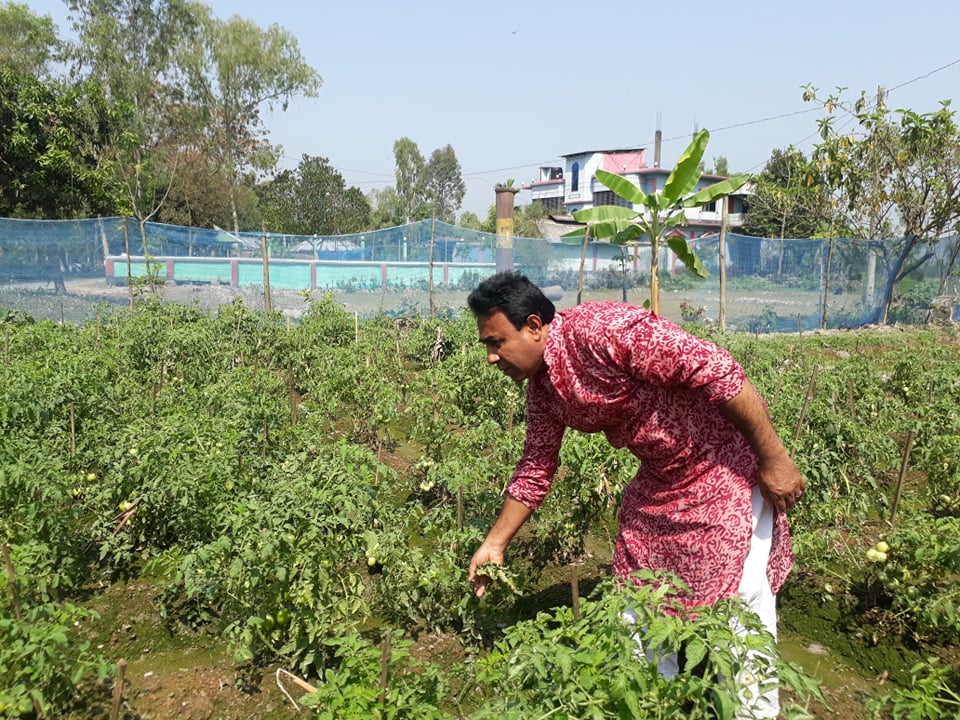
<point>755,591</point>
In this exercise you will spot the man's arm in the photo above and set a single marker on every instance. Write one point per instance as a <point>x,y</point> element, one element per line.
<point>512,516</point>
<point>779,478</point>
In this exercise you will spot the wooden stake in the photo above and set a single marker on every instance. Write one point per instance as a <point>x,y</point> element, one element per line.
<point>905,458</point>
<point>575,590</point>
<point>850,400</point>
<point>266,271</point>
<point>385,665</point>
<point>73,431</point>
<point>811,388</point>
<point>460,508</point>
<point>118,689</point>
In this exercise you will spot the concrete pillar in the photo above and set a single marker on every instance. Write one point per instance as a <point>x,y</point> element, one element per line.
<point>504,209</point>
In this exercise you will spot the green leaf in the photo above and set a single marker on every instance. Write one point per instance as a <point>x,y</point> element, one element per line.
<point>627,235</point>
<point>603,213</point>
<point>624,188</point>
<point>687,256</point>
<point>575,237</point>
<point>678,219</point>
<point>686,172</point>
<point>696,651</point>
<point>717,190</point>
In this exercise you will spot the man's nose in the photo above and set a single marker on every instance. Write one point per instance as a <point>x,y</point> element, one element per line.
<point>492,357</point>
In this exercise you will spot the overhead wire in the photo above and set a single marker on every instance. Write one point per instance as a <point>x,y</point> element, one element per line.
<point>746,123</point>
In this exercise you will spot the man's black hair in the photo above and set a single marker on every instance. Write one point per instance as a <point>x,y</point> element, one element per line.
<point>514,295</point>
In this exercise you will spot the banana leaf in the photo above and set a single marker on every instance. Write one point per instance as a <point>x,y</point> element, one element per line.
<point>624,188</point>
<point>687,256</point>
<point>687,171</point>
<point>712,192</point>
<point>602,213</point>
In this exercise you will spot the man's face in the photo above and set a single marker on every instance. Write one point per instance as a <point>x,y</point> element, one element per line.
<point>517,353</point>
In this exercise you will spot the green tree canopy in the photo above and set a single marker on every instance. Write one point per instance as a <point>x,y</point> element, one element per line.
<point>313,199</point>
<point>238,70</point>
<point>51,138</point>
<point>900,169</point>
<point>787,200</point>
<point>443,184</point>
<point>408,169</point>
<point>28,42</point>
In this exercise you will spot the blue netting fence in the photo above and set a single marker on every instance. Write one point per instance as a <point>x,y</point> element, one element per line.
<point>70,270</point>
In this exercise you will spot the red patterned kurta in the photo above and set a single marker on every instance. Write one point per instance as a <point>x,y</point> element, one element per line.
<point>657,390</point>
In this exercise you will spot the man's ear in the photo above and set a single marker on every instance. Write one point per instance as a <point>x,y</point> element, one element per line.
<point>534,325</point>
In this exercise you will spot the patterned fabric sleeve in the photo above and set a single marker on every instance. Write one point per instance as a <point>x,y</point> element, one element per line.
<point>534,473</point>
<point>659,352</point>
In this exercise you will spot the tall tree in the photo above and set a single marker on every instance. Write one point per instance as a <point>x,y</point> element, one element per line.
<point>903,168</point>
<point>238,70</point>
<point>787,200</point>
<point>443,184</point>
<point>313,199</point>
<point>408,170</point>
<point>720,166</point>
<point>51,142</point>
<point>133,48</point>
<point>386,208</point>
<point>28,42</point>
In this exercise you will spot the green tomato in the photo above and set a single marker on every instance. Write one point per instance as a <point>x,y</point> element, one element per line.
<point>269,622</point>
<point>283,617</point>
<point>881,547</point>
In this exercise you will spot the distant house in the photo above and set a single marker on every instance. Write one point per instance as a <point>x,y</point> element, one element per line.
<point>562,190</point>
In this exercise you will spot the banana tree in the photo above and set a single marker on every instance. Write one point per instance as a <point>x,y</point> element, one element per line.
<point>659,212</point>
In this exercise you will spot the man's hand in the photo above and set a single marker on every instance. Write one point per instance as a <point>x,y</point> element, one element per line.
<point>512,515</point>
<point>484,554</point>
<point>780,482</point>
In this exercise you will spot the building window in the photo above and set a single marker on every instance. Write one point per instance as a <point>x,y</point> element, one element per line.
<point>710,207</point>
<point>575,179</point>
<point>608,197</point>
<point>551,204</point>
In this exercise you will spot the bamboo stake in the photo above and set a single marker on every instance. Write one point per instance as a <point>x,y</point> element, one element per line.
<point>385,665</point>
<point>905,458</point>
<point>433,227</point>
<point>460,508</point>
<point>575,590</point>
<point>266,271</point>
<point>722,257</point>
<point>850,400</point>
<point>811,388</point>
<point>118,689</point>
<point>303,684</point>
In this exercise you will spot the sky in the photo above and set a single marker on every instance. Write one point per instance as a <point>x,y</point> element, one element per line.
<point>517,85</point>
